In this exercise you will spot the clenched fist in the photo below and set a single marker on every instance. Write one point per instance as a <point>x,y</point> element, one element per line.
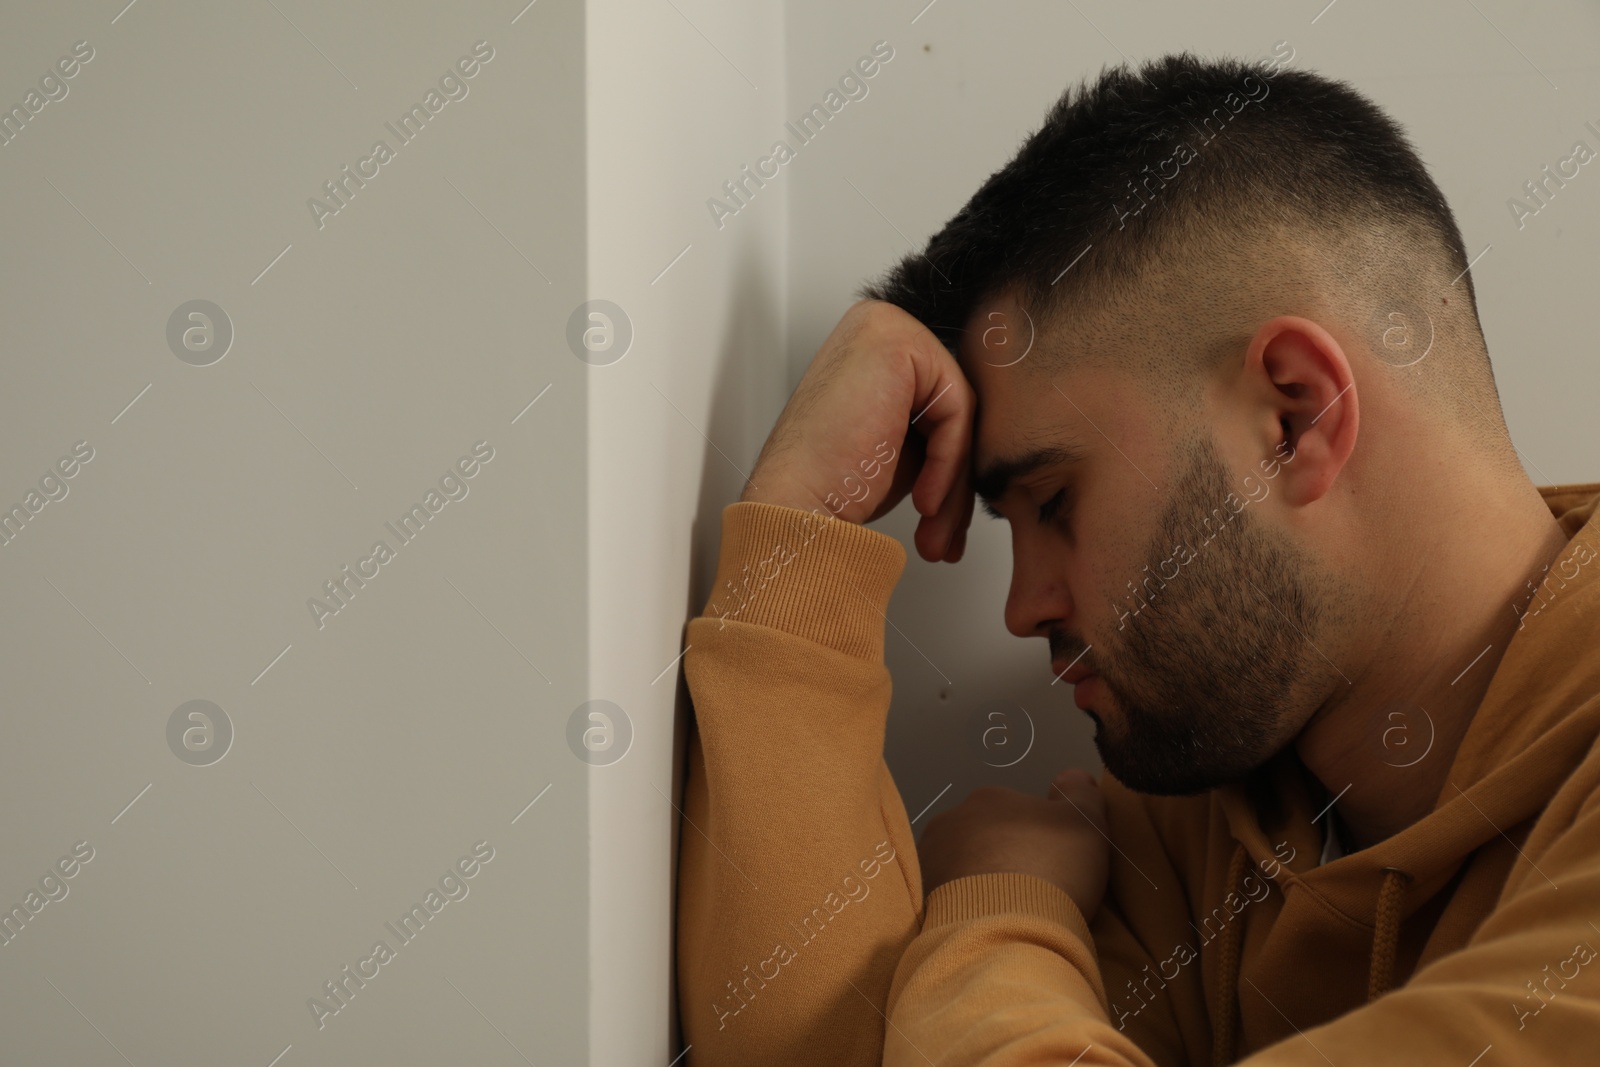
<point>882,410</point>
<point>1060,838</point>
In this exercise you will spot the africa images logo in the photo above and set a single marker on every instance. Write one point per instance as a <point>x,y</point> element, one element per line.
<point>452,86</point>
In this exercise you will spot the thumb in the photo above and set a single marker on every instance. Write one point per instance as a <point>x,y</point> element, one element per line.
<point>1067,779</point>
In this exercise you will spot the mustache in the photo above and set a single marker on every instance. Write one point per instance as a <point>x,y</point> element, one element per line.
<point>1070,649</point>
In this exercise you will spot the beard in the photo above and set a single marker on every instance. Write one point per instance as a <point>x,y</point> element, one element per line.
<point>1209,678</point>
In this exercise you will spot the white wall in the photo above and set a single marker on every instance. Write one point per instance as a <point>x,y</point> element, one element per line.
<point>681,95</point>
<point>425,315</point>
<point>968,84</point>
<point>380,747</point>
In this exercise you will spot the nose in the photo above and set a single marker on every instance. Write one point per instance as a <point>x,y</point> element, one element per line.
<point>1038,600</point>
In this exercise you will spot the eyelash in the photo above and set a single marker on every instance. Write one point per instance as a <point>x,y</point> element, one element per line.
<point>1047,510</point>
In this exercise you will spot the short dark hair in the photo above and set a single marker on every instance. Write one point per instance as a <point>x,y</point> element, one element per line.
<point>1090,215</point>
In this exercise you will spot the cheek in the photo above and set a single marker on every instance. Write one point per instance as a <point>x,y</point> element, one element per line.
<point>1106,595</point>
<point>1126,582</point>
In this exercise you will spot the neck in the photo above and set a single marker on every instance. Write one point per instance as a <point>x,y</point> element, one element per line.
<point>1385,742</point>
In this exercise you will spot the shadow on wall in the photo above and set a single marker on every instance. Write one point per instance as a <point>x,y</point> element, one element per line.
<point>749,388</point>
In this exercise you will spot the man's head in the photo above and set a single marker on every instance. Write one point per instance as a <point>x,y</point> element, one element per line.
<point>1176,305</point>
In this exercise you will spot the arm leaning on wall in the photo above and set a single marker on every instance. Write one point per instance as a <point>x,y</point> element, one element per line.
<point>798,885</point>
<point>1004,974</point>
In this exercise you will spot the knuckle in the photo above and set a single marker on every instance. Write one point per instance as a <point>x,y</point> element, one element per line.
<point>876,314</point>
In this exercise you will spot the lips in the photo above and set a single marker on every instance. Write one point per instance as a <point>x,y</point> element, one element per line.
<point>1074,674</point>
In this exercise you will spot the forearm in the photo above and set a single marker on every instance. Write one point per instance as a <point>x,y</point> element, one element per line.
<point>1003,972</point>
<point>798,885</point>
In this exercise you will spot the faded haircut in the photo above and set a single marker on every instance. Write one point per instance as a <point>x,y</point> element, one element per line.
<point>1164,212</point>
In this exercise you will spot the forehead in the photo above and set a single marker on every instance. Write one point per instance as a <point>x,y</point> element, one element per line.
<point>1001,346</point>
<point>1021,409</point>
<point>1037,405</point>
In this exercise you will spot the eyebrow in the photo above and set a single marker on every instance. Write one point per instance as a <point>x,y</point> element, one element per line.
<point>992,482</point>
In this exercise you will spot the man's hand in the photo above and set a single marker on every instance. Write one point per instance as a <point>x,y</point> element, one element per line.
<point>842,445</point>
<point>1060,839</point>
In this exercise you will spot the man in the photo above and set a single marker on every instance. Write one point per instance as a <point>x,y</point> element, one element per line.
<point>1219,367</point>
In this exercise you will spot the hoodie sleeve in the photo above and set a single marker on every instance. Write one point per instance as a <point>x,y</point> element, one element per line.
<point>1004,972</point>
<point>798,886</point>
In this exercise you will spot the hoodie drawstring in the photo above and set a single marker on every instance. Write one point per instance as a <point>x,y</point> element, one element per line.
<point>1222,1038</point>
<point>1386,932</point>
<point>1380,976</point>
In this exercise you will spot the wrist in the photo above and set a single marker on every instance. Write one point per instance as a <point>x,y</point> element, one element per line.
<point>764,489</point>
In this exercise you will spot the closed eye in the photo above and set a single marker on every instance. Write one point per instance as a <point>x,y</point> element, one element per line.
<point>1047,510</point>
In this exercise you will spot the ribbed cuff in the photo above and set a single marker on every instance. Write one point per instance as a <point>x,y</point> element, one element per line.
<point>806,573</point>
<point>1009,892</point>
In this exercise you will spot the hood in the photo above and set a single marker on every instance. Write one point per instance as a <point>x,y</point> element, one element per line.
<point>1538,720</point>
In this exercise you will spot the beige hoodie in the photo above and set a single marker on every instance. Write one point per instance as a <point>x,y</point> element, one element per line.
<point>1468,939</point>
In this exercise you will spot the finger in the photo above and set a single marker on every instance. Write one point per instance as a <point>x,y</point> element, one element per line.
<point>958,548</point>
<point>937,534</point>
<point>944,418</point>
<point>908,465</point>
<point>958,542</point>
<point>953,513</point>
<point>1068,779</point>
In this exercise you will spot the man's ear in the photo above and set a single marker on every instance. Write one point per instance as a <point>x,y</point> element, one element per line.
<point>1310,403</point>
